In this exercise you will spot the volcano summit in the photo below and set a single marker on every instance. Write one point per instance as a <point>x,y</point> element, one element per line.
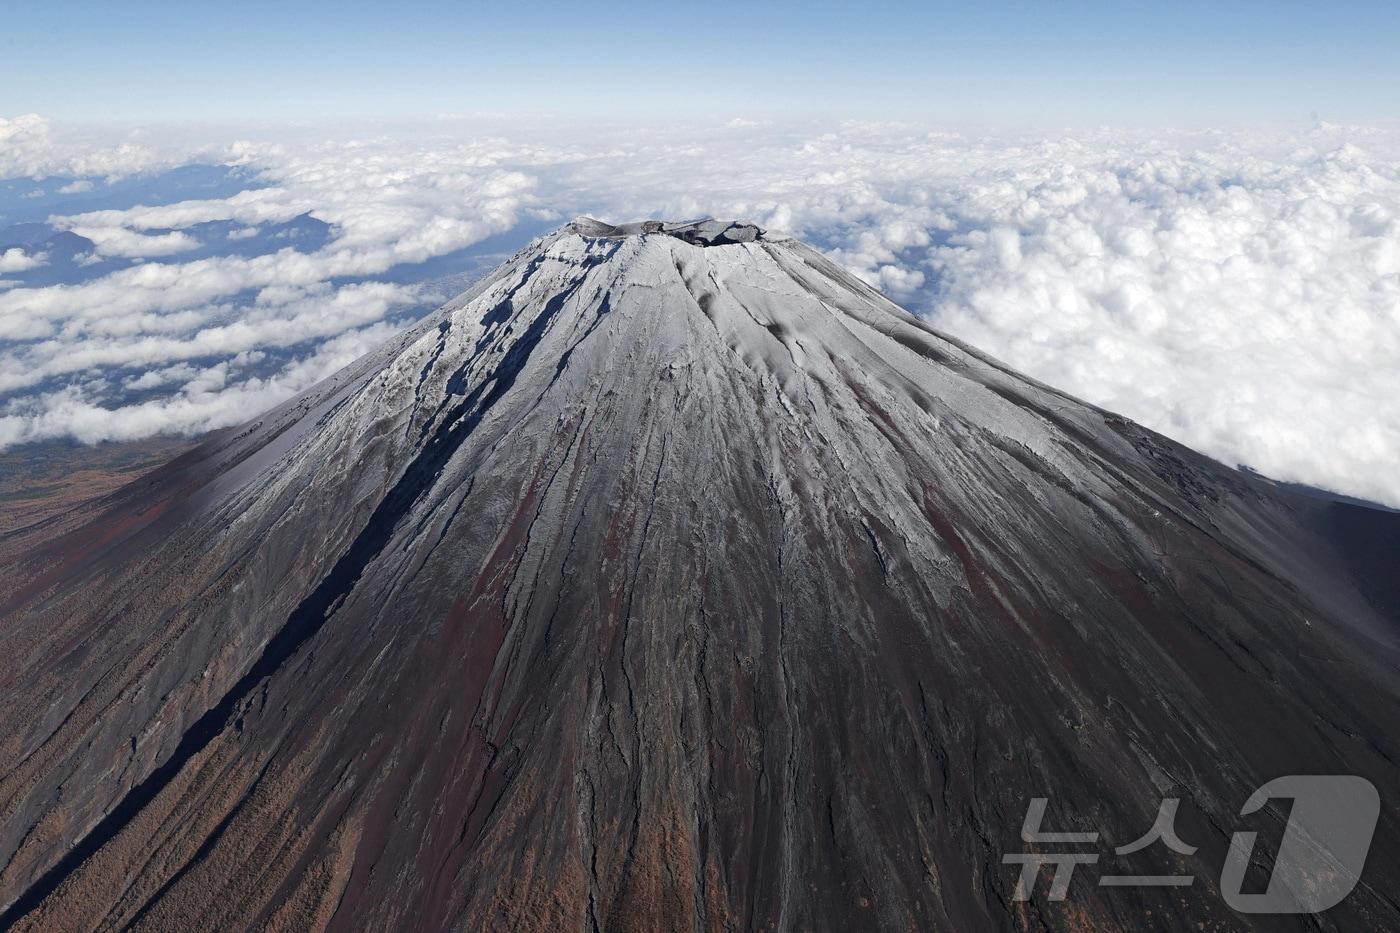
<point>673,578</point>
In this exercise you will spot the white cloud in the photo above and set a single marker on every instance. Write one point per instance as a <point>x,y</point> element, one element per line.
<point>204,403</point>
<point>28,148</point>
<point>16,259</point>
<point>119,241</point>
<point>1238,291</point>
<point>281,318</point>
<point>154,327</point>
<point>1239,307</point>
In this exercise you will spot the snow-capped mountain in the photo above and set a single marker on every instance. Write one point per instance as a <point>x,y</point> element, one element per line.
<point>673,578</point>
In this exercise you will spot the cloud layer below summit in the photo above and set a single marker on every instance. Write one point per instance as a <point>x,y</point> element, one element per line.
<point>1239,291</point>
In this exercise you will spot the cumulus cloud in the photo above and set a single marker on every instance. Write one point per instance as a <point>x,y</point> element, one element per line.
<point>194,336</point>
<point>1251,309</point>
<point>119,241</point>
<point>16,259</point>
<point>207,399</point>
<point>29,148</point>
<point>1237,291</point>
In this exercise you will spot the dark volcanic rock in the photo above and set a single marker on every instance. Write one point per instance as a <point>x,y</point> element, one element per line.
<point>672,578</point>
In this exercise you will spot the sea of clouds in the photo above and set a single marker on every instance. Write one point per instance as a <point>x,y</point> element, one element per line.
<point>1238,290</point>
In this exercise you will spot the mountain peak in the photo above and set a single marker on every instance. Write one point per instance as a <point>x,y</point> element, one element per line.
<point>651,586</point>
<point>704,232</point>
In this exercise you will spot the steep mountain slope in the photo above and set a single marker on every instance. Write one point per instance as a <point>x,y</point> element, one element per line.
<point>672,578</point>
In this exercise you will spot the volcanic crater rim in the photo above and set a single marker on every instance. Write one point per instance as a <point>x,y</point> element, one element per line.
<point>704,232</point>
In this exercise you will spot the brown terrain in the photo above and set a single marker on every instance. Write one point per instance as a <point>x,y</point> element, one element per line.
<point>44,481</point>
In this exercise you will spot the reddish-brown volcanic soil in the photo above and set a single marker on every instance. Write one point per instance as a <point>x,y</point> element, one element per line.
<point>41,481</point>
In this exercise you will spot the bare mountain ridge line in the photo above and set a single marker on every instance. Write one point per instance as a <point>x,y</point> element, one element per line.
<point>670,577</point>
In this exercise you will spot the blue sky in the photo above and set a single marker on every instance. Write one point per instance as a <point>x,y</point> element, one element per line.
<point>1010,63</point>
